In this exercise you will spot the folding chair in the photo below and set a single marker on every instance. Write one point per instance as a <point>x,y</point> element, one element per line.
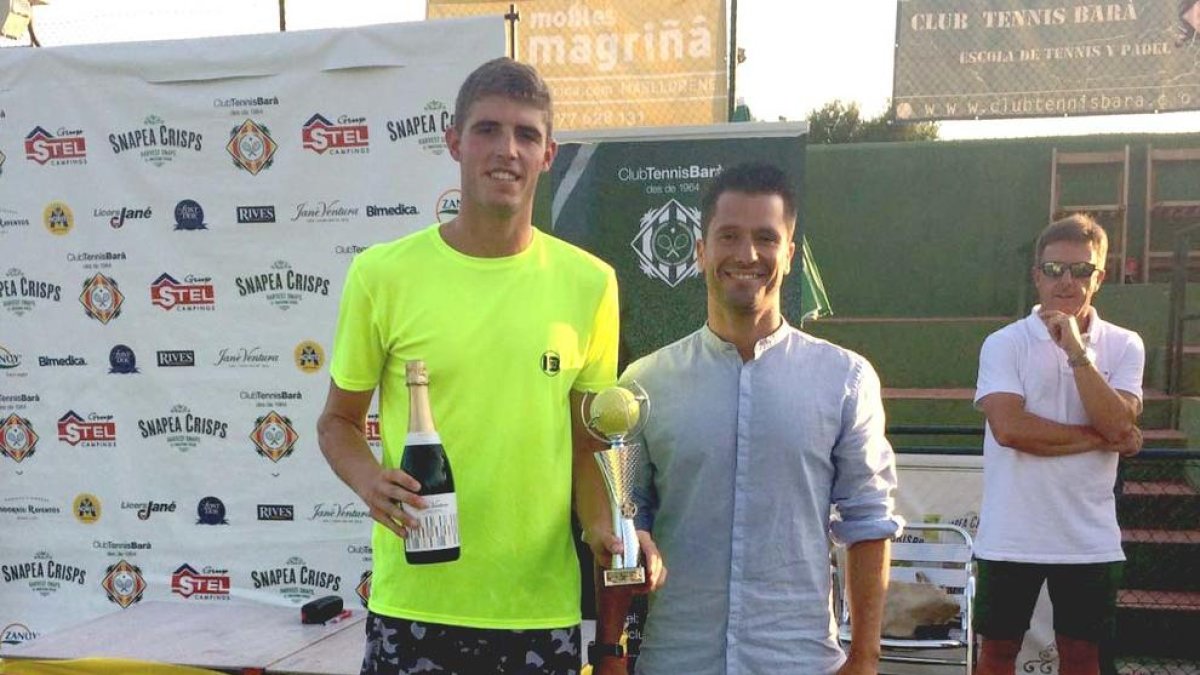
<point>941,554</point>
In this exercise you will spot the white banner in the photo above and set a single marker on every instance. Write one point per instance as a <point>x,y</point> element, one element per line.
<point>176,219</point>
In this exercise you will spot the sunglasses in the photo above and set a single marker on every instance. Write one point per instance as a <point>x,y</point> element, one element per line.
<point>1079,270</point>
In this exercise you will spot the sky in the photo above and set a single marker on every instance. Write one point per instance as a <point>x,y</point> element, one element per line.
<point>800,54</point>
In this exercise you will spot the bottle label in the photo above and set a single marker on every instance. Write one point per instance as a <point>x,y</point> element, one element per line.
<point>439,524</point>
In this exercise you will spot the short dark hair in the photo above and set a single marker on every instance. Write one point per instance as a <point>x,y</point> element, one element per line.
<point>754,178</point>
<point>508,78</point>
<point>1079,228</point>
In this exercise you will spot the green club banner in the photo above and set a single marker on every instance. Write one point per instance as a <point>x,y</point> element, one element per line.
<point>636,204</point>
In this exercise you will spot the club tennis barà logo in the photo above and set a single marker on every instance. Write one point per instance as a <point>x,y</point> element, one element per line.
<point>666,243</point>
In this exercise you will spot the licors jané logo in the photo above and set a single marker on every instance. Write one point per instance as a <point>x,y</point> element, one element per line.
<point>427,128</point>
<point>155,141</point>
<point>666,243</point>
<point>58,218</point>
<point>43,574</point>
<point>17,438</point>
<point>189,215</point>
<point>123,583</point>
<point>349,136</point>
<point>274,436</point>
<point>87,508</point>
<point>118,215</point>
<point>251,146</point>
<point>208,584</point>
<point>448,204</point>
<point>309,356</point>
<point>182,429</point>
<point>20,294</point>
<point>282,286</point>
<point>66,147</point>
<point>196,294</point>
<point>101,298</point>
<point>295,580</point>
<point>94,432</point>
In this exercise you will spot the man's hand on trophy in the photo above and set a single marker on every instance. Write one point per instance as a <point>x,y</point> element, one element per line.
<point>652,560</point>
<point>384,492</point>
<point>604,544</point>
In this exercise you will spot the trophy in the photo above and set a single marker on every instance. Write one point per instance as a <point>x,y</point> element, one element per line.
<point>614,416</point>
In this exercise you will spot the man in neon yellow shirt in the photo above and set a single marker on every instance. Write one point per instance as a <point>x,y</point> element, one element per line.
<point>513,325</point>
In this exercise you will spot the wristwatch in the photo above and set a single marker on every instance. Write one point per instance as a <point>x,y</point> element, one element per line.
<point>1079,361</point>
<point>599,650</point>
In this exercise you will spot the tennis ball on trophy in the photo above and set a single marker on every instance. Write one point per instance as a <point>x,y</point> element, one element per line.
<point>615,411</point>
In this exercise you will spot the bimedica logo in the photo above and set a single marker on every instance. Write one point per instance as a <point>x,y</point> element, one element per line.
<point>349,136</point>
<point>66,147</point>
<point>197,293</point>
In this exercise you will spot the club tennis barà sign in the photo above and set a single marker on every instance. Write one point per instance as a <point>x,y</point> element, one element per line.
<point>972,59</point>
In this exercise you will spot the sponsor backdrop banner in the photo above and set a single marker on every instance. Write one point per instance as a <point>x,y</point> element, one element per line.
<point>176,219</point>
<point>970,59</point>
<point>636,204</point>
<point>620,63</point>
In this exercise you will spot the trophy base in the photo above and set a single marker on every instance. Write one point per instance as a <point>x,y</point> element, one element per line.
<point>627,576</point>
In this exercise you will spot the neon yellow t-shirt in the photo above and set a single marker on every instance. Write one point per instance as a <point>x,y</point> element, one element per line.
<point>505,341</point>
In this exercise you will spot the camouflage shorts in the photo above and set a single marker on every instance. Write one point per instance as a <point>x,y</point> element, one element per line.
<point>399,646</point>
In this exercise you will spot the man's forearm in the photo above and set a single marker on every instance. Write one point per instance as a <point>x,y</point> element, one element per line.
<point>346,450</point>
<point>1039,436</point>
<point>866,590</point>
<point>1108,412</point>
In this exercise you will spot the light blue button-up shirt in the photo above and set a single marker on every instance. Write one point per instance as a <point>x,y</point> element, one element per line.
<point>742,464</point>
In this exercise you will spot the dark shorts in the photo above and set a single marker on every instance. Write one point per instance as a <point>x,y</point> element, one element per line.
<point>399,646</point>
<point>1084,598</point>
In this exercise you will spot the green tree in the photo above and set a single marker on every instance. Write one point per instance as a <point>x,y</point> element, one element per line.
<point>838,122</point>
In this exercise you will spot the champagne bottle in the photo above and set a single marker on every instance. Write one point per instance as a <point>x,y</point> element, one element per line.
<point>425,460</point>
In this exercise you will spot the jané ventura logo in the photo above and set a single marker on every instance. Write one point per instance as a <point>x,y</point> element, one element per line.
<point>349,136</point>
<point>66,147</point>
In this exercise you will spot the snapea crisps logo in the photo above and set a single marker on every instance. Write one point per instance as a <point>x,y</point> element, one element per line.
<point>58,218</point>
<point>309,356</point>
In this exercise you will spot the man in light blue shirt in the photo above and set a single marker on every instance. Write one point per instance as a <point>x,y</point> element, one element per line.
<point>762,444</point>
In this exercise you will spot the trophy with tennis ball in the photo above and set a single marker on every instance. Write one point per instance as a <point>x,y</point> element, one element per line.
<point>614,416</point>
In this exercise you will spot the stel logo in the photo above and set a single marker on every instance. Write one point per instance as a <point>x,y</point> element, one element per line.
<point>197,294</point>
<point>251,146</point>
<point>363,589</point>
<point>58,218</point>
<point>123,583</point>
<point>666,243</point>
<point>101,298</point>
<point>67,147</point>
<point>95,431</point>
<point>309,355</point>
<point>448,204</point>
<point>17,438</point>
<point>212,584</point>
<point>372,430</point>
<point>87,508</point>
<point>273,436</point>
<point>349,136</point>
<point>189,215</point>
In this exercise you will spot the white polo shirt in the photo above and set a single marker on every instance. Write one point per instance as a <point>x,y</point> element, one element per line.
<point>1051,509</point>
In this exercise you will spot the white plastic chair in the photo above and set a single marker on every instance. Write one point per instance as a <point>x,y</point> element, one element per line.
<point>942,555</point>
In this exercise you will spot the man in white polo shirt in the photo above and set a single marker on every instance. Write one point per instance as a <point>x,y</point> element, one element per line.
<point>1061,390</point>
